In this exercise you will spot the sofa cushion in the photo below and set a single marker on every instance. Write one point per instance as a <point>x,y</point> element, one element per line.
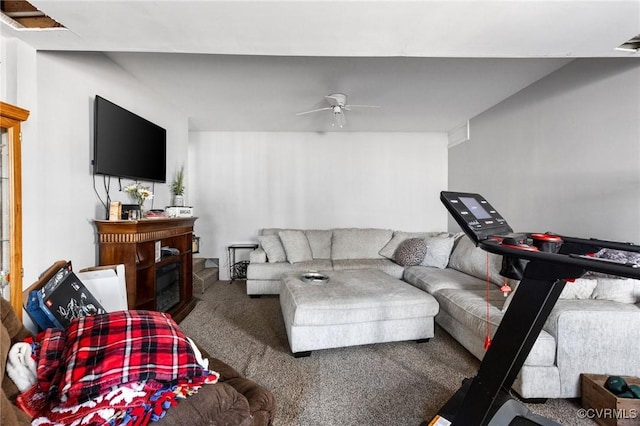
<point>359,243</point>
<point>272,246</point>
<point>438,250</point>
<point>472,260</point>
<point>432,279</point>
<point>296,246</point>
<point>411,252</point>
<point>469,307</point>
<point>384,265</point>
<point>585,309</point>
<point>320,242</point>
<point>389,249</point>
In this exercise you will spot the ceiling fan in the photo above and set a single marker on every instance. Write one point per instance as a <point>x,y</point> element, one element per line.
<point>338,105</point>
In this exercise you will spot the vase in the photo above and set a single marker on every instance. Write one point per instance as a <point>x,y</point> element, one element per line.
<point>178,201</point>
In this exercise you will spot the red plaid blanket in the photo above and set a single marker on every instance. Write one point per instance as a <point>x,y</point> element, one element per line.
<point>52,343</point>
<point>121,347</point>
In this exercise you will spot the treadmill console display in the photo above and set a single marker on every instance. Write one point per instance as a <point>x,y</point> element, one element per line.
<point>477,218</point>
<point>475,207</point>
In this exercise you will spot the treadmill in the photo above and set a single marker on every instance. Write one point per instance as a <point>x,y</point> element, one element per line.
<point>542,262</point>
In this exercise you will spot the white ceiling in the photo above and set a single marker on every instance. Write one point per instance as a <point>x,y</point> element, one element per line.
<point>251,65</point>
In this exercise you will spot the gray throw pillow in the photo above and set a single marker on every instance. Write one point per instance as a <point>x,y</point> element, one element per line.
<point>411,252</point>
<point>296,245</point>
<point>438,250</point>
<point>320,242</point>
<point>622,290</point>
<point>581,288</point>
<point>272,246</point>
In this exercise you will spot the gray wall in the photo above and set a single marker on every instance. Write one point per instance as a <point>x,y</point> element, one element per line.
<point>243,181</point>
<point>58,199</point>
<point>562,155</point>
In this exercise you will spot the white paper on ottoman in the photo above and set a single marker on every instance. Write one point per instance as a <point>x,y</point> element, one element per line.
<point>355,307</point>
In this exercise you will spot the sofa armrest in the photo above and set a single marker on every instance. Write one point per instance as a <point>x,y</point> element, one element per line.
<point>594,336</point>
<point>216,404</point>
<point>261,402</point>
<point>258,256</point>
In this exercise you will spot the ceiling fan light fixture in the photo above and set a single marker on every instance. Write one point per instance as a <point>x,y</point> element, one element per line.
<point>338,118</point>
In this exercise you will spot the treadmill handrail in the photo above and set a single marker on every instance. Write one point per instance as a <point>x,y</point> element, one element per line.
<point>578,260</point>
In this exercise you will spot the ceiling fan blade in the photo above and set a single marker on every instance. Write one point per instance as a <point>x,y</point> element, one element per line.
<point>348,107</point>
<point>314,110</point>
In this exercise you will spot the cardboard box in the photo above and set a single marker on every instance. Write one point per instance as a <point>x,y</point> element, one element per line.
<point>108,285</point>
<point>58,297</point>
<point>604,407</point>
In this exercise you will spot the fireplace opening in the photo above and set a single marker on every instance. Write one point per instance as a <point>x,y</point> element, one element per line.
<point>167,286</point>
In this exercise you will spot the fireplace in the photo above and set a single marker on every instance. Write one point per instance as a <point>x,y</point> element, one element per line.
<point>167,286</point>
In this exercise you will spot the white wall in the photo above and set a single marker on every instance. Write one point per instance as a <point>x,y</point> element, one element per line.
<point>562,155</point>
<point>59,202</point>
<point>241,182</point>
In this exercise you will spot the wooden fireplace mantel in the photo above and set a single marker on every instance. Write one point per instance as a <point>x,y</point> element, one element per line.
<point>135,243</point>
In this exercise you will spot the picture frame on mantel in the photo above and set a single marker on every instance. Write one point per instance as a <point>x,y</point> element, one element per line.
<point>127,209</point>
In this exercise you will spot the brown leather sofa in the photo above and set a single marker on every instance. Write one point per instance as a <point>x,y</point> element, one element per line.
<point>234,400</point>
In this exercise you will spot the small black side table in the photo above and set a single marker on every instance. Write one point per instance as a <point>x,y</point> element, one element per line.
<point>238,270</point>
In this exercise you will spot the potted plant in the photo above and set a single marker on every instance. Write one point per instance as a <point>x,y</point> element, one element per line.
<point>177,188</point>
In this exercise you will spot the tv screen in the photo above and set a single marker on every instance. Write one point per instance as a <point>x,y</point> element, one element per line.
<point>127,145</point>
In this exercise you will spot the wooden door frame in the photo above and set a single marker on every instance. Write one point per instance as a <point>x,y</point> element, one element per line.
<point>11,118</point>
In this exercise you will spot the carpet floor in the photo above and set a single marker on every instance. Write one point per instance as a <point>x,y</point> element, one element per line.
<point>384,384</point>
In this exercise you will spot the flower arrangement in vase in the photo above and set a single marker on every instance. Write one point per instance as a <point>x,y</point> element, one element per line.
<point>139,194</point>
<point>177,188</point>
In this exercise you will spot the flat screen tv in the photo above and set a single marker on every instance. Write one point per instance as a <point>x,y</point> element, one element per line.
<point>127,145</point>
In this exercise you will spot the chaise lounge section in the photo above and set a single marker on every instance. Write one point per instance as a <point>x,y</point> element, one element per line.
<point>593,328</point>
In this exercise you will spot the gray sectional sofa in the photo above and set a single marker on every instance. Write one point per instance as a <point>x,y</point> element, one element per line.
<point>594,327</point>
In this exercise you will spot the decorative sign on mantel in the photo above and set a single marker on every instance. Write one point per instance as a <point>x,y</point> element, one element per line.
<point>175,211</point>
